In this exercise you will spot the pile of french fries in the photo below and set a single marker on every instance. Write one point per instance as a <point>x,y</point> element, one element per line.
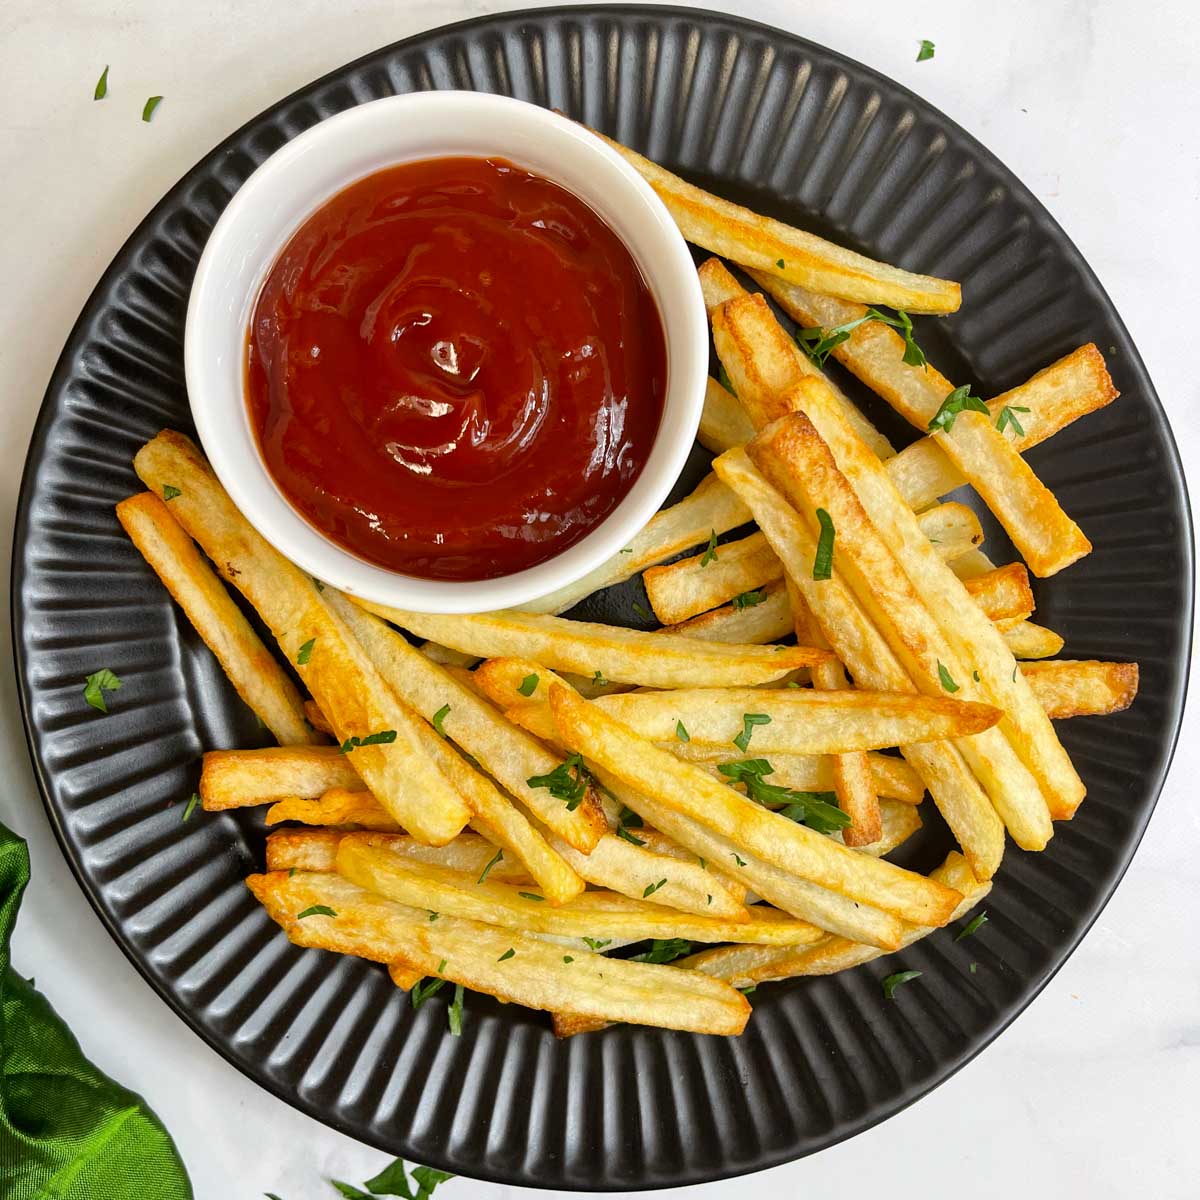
<point>510,797</point>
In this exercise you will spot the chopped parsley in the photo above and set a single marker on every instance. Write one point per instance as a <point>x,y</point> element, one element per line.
<point>433,916</point>
<point>148,108</point>
<point>651,888</point>
<point>926,50</point>
<point>191,807</point>
<point>710,551</point>
<point>642,611</point>
<point>959,400</point>
<point>972,926</point>
<point>819,343</point>
<point>439,716</point>
<point>817,810</point>
<point>665,950</point>
<point>946,678</point>
<point>597,943</point>
<point>892,982</point>
<point>305,652</point>
<point>681,732</point>
<point>101,89</point>
<point>454,1014</point>
<point>393,1181</point>
<point>724,380</point>
<point>749,599</point>
<point>741,862</point>
<point>599,680</point>
<point>975,675</point>
<point>974,968</point>
<point>567,958</point>
<point>316,910</point>
<point>568,781</point>
<point>1008,417</point>
<point>487,870</point>
<point>97,684</point>
<point>749,720</point>
<point>169,492</point>
<point>780,264</point>
<point>823,559</point>
<point>509,953</point>
<point>528,685</point>
<point>626,821</point>
<point>531,896</point>
<point>384,737</point>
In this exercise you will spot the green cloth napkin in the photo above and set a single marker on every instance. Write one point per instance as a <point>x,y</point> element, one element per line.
<point>67,1131</point>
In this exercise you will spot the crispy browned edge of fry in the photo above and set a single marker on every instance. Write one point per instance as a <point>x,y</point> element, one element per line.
<point>1120,680</point>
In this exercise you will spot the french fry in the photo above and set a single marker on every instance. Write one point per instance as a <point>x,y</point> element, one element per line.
<point>719,288</point>
<point>566,1025</point>
<point>961,801</point>
<point>659,843</point>
<point>794,457</point>
<point>971,564</point>
<point>1070,688</point>
<point>697,584</point>
<point>974,638</point>
<point>797,720</point>
<point>897,823</point>
<point>1068,389</point>
<point>335,670</point>
<point>251,668</point>
<point>711,508</point>
<point>470,854</point>
<point>596,914</point>
<point>751,624</point>
<point>688,790</point>
<point>316,718</point>
<point>753,241</point>
<point>1046,537</point>
<point>506,753</point>
<point>746,966</point>
<point>476,956</point>
<point>1025,639</point>
<point>338,806</point>
<point>240,778</point>
<point>1002,593</point>
<point>405,978</point>
<point>651,659</point>
<point>723,422</point>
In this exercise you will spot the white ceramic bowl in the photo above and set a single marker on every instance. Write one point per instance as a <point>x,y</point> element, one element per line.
<point>294,182</point>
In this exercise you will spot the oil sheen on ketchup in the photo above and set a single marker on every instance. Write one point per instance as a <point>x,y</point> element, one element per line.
<point>455,369</point>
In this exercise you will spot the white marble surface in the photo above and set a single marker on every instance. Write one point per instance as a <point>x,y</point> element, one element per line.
<point>1094,1091</point>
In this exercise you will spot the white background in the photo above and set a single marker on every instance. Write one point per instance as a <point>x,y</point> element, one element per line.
<point>1094,1091</point>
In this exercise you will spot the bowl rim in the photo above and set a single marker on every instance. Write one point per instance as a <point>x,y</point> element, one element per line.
<point>622,198</point>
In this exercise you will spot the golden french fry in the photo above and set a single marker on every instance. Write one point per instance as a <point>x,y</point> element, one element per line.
<point>688,790</point>
<point>251,668</point>
<point>316,718</point>
<point>659,843</point>
<point>832,954</point>
<point>445,657</point>
<point>797,720</point>
<point>1025,639</point>
<point>1046,537</point>
<point>794,457</point>
<point>751,624</point>
<point>974,638</point>
<point>566,1025</point>
<point>343,682</point>
<point>961,801</point>
<point>897,823</point>
<point>723,423</point>
<point>304,849</point>
<point>338,806</point>
<point>506,753</point>
<point>719,288</point>
<point>405,978</point>
<point>971,565</point>
<point>697,584</point>
<point>753,241</point>
<point>537,973</point>
<point>240,778</point>
<point>652,659</point>
<point>1070,688</point>
<point>711,508</point>
<point>597,914</point>
<point>1002,593</point>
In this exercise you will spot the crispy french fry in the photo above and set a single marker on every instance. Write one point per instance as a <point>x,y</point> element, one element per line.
<point>405,978</point>
<point>659,843</point>
<point>797,720</point>
<point>960,799</point>
<point>476,956</point>
<point>596,914</point>
<point>305,849</point>
<point>753,241</point>
<point>240,778</point>
<point>1002,593</point>
<point>745,966</point>
<point>1046,537</point>
<point>897,823</point>
<point>566,1025</point>
<point>1070,688</point>
<point>719,288</point>
<point>316,718</point>
<point>794,457</point>
<point>974,638</point>
<point>506,753</point>
<point>723,423</point>
<point>776,840</point>
<point>652,659</point>
<point>1025,639</point>
<point>971,564</point>
<point>711,508</point>
<point>751,624</point>
<point>251,668</point>
<point>336,671</point>
<point>338,806</point>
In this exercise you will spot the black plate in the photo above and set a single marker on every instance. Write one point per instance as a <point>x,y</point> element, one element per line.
<point>797,131</point>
